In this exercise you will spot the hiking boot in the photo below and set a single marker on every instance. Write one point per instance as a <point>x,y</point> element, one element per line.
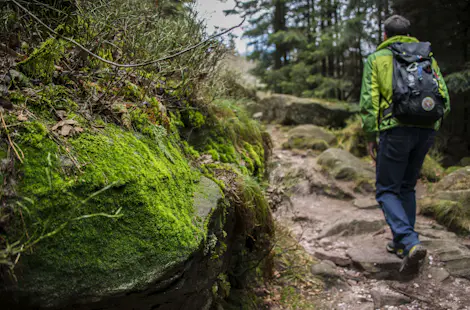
<point>412,262</point>
<point>394,250</point>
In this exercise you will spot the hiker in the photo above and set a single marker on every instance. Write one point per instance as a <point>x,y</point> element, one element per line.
<point>403,101</point>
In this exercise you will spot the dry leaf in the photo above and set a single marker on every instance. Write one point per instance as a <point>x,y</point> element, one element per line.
<point>66,130</point>
<point>22,118</point>
<point>61,114</point>
<point>70,122</point>
<point>78,129</point>
<point>59,124</point>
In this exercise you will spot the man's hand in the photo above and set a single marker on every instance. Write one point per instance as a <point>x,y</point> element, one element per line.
<point>372,148</point>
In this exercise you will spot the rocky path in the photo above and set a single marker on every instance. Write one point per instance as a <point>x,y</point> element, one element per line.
<point>345,230</point>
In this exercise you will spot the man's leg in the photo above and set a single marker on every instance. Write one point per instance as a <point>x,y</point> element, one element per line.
<point>392,162</point>
<point>416,159</point>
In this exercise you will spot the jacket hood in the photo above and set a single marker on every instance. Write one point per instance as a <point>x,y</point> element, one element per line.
<point>397,39</point>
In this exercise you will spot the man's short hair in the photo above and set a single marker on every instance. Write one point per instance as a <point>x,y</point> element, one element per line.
<point>397,25</point>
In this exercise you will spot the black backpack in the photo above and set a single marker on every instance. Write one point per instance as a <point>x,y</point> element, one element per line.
<point>416,98</point>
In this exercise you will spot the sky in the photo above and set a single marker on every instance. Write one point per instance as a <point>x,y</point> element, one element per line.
<point>212,12</point>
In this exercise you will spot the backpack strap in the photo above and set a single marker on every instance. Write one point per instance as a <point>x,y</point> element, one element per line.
<point>387,113</point>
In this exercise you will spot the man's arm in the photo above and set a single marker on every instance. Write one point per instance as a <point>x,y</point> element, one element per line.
<point>370,97</point>
<point>442,87</point>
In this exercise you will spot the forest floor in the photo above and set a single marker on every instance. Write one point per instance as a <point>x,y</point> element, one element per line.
<point>346,240</point>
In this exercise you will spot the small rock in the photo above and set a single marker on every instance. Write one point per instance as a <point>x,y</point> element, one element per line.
<point>352,282</point>
<point>337,258</point>
<point>438,274</point>
<point>366,203</point>
<point>258,115</point>
<point>383,297</point>
<point>325,269</point>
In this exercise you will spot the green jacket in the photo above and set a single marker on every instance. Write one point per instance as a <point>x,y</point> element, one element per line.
<point>377,88</point>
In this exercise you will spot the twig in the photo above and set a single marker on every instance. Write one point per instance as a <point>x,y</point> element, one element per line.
<point>413,296</point>
<point>8,50</point>
<point>190,48</point>
<point>9,139</point>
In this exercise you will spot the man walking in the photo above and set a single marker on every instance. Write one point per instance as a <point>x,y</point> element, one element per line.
<point>403,101</point>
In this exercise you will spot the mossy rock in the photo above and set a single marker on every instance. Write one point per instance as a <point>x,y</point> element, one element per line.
<point>454,214</point>
<point>161,225</point>
<point>464,162</point>
<point>457,180</point>
<point>432,170</point>
<point>353,138</point>
<point>290,110</point>
<point>309,137</point>
<point>450,202</point>
<point>342,165</point>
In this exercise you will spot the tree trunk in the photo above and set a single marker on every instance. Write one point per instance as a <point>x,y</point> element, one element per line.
<point>279,24</point>
<point>379,20</point>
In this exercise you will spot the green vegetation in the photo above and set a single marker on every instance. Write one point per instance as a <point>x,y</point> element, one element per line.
<point>101,162</point>
<point>432,170</point>
<point>452,214</point>
<point>156,228</point>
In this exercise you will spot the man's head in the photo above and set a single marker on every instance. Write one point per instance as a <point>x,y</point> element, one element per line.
<point>397,25</point>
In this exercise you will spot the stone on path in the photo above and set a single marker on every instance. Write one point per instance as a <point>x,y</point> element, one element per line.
<point>325,269</point>
<point>342,165</point>
<point>290,110</point>
<point>385,297</point>
<point>352,228</point>
<point>458,180</point>
<point>371,257</point>
<point>366,203</point>
<point>309,137</point>
<point>456,257</point>
<point>337,257</point>
<point>438,274</point>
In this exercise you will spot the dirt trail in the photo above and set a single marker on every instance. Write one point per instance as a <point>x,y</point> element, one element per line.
<point>347,234</point>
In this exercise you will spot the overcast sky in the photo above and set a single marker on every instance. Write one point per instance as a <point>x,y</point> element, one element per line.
<point>212,12</point>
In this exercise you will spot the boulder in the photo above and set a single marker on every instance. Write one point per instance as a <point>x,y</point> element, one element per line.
<point>149,257</point>
<point>458,180</point>
<point>290,110</point>
<point>309,137</point>
<point>465,162</point>
<point>450,202</point>
<point>342,165</point>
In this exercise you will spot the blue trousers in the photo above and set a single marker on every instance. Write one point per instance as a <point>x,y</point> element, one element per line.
<point>400,157</point>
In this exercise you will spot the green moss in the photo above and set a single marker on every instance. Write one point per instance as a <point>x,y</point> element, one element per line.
<point>40,64</point>
<point>432,170</point>
<point>33,133</point>
<point>353,138</point>
<point>48,99</point>
<point>452,169</point>
<point>453,214</point>
<point>196,119</point>
<point>306,143</point>
<point>464,162</point>
<point>157,228</point>
<point>214,154</point>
